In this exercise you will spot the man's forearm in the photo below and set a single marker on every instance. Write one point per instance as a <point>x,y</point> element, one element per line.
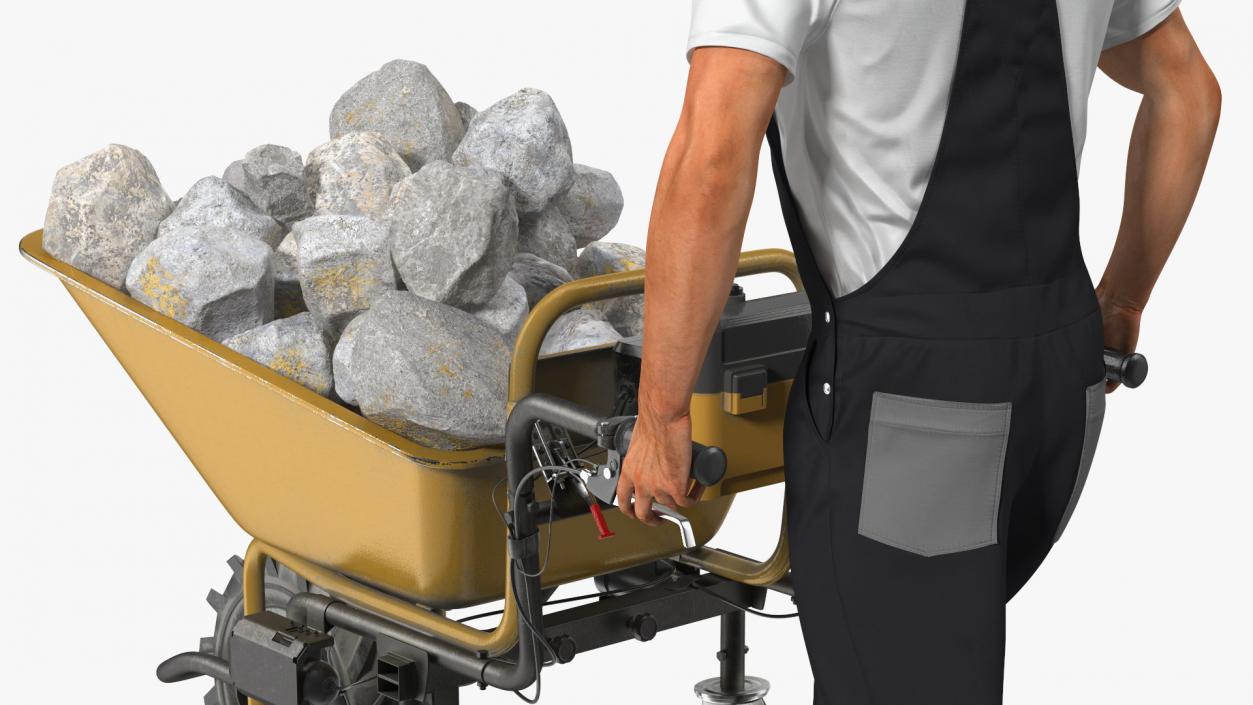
<point>1170,145</point>
<point>693,245</point>
<point>699,213</point>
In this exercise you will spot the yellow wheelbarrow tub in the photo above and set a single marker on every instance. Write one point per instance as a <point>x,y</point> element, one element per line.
<point>319,481</point>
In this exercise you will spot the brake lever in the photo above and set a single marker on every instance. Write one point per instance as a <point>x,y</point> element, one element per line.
<point>709,465</point>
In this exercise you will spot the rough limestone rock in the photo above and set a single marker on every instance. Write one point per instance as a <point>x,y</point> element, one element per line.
<point>625,313</point>
<point>524,138</point>
<point>354,174</point>
<point>289,300</point>
<point>537,276</point>
<point>592,206</point>
<point>341,363</point>
<point>213,204</point>
<point>574,330</point>
<point>547,235</point>
<point>103,210</point>
<point>467,113</point>
<point>219,282</point>
<point>344,264</point>
<point>507,311</point>
<point>454,233</point>
<point>430,372</point>
<point>404,103</point>
<point>273,178</point>
<point>295,347</point>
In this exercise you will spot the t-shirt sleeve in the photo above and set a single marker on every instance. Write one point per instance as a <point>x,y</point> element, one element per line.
<point>1132,19</point>
<point>777,29</point>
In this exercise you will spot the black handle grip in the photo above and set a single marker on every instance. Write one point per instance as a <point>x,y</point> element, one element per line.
<point>1127,369</point>
<point>709,463</point>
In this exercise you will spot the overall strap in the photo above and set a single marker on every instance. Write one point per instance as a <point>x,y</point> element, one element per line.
<point>819,365</point>
<point>820,298</point>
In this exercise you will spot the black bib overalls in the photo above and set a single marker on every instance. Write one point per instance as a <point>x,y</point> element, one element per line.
<point>944,418</point>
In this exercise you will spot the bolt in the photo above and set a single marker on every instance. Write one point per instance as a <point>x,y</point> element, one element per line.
<point>643,627</point>
<point>564,648</point>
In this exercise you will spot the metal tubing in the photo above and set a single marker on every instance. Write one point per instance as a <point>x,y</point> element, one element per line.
<point>609,286</point>
<point>498,641</point>
<point>193,664</point>
<point>744,570</point>
<point>731,677</point>
<point>332,613</point>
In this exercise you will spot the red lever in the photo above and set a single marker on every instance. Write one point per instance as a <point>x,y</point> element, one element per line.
<point>601,525</point>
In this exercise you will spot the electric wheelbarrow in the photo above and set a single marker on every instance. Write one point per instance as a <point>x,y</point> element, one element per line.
<point>364,539</point>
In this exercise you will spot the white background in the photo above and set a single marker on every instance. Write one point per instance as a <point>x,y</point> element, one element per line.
<point>110,539</point>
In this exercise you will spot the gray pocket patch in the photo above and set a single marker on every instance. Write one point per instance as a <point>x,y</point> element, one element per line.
<point>1093,420</point>
<point>933,474</point>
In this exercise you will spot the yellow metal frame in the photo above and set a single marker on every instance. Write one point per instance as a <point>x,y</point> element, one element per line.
<point>583,291</point>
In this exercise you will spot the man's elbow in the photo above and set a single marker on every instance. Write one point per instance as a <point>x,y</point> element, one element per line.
<point>1191,92</point>
<point>1210,100</point>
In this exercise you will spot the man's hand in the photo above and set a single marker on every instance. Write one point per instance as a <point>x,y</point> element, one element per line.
<point>1122,326</point>
<point>657,468</point>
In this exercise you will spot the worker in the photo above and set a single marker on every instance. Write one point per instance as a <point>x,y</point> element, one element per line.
<point>944,418</point>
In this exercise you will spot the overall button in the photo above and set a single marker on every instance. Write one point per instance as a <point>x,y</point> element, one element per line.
<point>826,388</point>
<point>826,316</point>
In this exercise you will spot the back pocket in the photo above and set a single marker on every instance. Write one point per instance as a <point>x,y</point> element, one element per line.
<point>933,474</point>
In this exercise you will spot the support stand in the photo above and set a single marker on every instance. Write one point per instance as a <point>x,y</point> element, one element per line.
<point>732,687</point>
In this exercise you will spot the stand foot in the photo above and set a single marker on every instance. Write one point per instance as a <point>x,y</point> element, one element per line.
<point>752,692</point>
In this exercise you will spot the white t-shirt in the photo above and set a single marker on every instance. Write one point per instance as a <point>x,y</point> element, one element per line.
<point>866,97</point>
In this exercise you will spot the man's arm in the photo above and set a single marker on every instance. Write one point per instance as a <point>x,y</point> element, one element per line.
<point>699,211</point>
<point>1170,145</point>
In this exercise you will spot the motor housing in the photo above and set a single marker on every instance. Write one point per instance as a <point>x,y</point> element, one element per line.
<point>279,662</point>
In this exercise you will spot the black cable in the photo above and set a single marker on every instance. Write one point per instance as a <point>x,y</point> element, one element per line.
<point>535,633</point>
<point>620,592</point>
<point>746,608</point>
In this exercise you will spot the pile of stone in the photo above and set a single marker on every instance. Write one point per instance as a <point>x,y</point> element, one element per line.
<point>390,270</point>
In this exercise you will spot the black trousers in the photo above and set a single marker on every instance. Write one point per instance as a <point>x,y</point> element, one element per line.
<point>913,519</point>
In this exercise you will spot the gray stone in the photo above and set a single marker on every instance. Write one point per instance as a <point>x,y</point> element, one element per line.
<point>547,235</point>
<point>219,282</point>
<point>537,276</point>
<point>295,347</point>
<point>341,363</point>
<point>430,372</point>
<point>506,311</point>
<point>524,138</point>
<point>625,313</point>
<point>467,113</point>
<point>103,210</point>
<point>213,204</point>
<point>289,300</point>
<point>454,233</point>
<point>273,178</point>
<point>404,103</point>
<point>581,328</point>
<point>345,263</point>
<point>592,205</point>
<point>354,174</point>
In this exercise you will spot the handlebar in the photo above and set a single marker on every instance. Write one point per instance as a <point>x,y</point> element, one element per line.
<point>1127,369</point>
<point>709,463</point>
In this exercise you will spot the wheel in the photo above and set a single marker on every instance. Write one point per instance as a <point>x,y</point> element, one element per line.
<point>352,657</point>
